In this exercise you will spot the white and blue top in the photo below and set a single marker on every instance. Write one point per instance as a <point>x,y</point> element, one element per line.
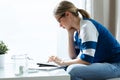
<point>96,43</point>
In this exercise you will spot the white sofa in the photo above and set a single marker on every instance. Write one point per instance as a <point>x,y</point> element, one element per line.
<point>114,79</point>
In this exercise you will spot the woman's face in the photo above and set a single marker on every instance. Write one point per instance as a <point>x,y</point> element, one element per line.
<point>65,20</point>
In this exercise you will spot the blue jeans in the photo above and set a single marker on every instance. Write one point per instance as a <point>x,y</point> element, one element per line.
<point>95,71</point>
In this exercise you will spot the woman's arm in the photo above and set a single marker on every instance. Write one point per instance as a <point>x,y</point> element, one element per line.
<point>68,62</point>
<point>75,61</point>
<point>71,46</point>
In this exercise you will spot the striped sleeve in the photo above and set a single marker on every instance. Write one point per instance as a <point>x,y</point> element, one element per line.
<point>89,37</point>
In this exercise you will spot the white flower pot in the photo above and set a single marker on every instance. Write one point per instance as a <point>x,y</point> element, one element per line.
<point>2,61</point>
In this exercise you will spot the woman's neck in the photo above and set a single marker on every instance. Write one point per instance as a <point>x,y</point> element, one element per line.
<point>77,24</point>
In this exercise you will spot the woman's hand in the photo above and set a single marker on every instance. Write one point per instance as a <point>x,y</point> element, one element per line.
<point>56,60</point>
<point>71,30</point>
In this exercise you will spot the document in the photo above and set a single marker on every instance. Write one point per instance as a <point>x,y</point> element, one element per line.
<point>46,67</point>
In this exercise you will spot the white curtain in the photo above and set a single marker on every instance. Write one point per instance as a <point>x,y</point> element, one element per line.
<point>107,12</point>
<point>118,20</point>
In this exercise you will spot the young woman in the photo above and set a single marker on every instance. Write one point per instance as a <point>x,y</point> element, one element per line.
<point>99,56</point>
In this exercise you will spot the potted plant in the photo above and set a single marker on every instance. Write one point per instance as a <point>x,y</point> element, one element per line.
<point>3,51</point>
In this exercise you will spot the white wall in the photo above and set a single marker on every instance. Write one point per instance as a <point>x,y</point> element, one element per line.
<point>29,27</point>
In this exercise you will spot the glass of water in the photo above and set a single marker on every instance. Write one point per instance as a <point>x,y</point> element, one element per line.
<point>20,64</point>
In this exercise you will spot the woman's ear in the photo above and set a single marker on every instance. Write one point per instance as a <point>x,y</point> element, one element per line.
<point>67,13</point>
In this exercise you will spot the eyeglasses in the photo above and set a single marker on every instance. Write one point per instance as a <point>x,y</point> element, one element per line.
<point>61,17</point>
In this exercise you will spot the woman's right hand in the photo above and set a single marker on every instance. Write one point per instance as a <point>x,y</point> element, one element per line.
<point>56,60</point>
<point>71,30</point>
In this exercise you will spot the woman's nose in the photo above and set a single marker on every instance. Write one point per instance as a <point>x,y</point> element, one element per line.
<point>61,25</point>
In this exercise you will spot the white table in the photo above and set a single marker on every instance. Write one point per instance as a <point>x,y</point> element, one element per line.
<point>8,74</point>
